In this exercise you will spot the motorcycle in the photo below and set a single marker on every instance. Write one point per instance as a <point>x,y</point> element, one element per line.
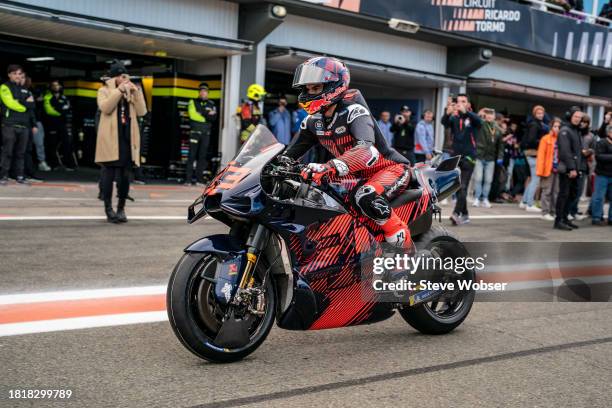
<point>300,254</point>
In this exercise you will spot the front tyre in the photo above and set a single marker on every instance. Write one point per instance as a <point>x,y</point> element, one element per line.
<point>445,314</point>
<point>195,316</point>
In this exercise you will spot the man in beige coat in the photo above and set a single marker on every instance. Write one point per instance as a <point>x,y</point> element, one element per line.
<point>118,142</point>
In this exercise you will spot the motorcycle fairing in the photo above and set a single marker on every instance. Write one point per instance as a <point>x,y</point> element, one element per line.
<point>329,243</point>
<point>352,241</point>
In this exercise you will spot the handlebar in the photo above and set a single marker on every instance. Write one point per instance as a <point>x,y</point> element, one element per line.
<point>286,170</point>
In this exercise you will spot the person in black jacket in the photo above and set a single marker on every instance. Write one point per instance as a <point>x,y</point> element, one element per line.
<point>603,179</point>
<point>587,139</point>
<point>17,121</point>
<point>569,149</point>
<point>202,113</point>
<point>403,134</point>
<point>604,125</point>
<point>606,12</point>
<point>58,118</point>
<point>463,125</point>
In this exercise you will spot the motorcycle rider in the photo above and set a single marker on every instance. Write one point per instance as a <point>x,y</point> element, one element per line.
<point>339,119</point>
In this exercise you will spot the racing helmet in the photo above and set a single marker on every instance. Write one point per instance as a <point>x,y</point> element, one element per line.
<point>331,72</point>
<point>256,92</point>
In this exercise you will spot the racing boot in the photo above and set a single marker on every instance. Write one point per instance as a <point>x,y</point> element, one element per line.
<point>397,234</point>
<point>111,216</point>
<point>121,211</point>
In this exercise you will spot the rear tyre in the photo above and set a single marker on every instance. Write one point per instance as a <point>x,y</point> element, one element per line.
<point>441,317</point>
<point>195,316</point>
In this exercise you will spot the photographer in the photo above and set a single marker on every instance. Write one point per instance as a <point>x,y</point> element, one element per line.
<point>464,125</point>
<point>118,142</point>
<point>403,131</point>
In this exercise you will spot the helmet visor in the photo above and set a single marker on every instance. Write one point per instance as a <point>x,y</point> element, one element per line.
<point>306,74</point>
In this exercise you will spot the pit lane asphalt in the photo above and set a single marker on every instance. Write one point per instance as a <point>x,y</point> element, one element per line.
<point>505,354</point>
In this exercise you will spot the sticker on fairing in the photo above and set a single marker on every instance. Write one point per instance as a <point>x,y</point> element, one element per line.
<point>227,291</point>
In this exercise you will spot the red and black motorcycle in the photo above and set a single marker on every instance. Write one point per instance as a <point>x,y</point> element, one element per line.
<point>300,254</point>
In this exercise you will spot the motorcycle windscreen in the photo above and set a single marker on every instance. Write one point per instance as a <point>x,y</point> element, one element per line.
<point>239,181</point>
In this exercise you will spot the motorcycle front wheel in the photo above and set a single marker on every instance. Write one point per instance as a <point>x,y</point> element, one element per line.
<point>196,316</point>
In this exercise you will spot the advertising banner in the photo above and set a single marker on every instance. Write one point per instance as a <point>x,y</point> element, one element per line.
<point>502,22</point>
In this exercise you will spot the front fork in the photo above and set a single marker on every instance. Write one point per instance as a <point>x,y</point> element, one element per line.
<point>256,242</point>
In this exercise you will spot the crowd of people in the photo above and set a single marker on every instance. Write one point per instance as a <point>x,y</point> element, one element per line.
<point>34,125</point>
<point>551,160</point>
<point>544,164</point>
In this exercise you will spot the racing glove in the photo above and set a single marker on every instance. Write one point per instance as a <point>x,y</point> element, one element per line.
<point>318,171</point>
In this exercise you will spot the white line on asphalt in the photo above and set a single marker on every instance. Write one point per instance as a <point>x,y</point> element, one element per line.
<point>549,283</point>
<point>504,217</point>
<point>146,200</point>
<point>13,329</point>
<point>178,217</point>
<point>81,294</point>
<point>91,217</point>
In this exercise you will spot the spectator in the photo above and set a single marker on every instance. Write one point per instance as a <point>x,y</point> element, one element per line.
<point>17,121</point>
<point>488,151</point>
<point>536,128</point>
<point>569,147</point>
<point>606,12</point>
<point>510,153</point>
<point>604,125</point>
<point>577,5</point>
<point>118,142</point>
<point>403,134</point>
<point>587,142</point>
<point>603,179</point>
<point>39,137</point>
<point>547,165</point>
<point>463,126</point>
<point>202,113</point>
<point>29,170</point>
<point>384,124</point>
<point>58,115</point>
<point>500,175</point>
<point>298,117</point>
<point>280,121</point>
<point>424,137</point>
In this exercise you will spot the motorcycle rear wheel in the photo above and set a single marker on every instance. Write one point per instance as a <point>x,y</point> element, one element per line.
<point>195,315</point>
<point>439,317</point>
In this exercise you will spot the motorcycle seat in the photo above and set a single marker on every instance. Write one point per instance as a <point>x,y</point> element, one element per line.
<point>407,197</point>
